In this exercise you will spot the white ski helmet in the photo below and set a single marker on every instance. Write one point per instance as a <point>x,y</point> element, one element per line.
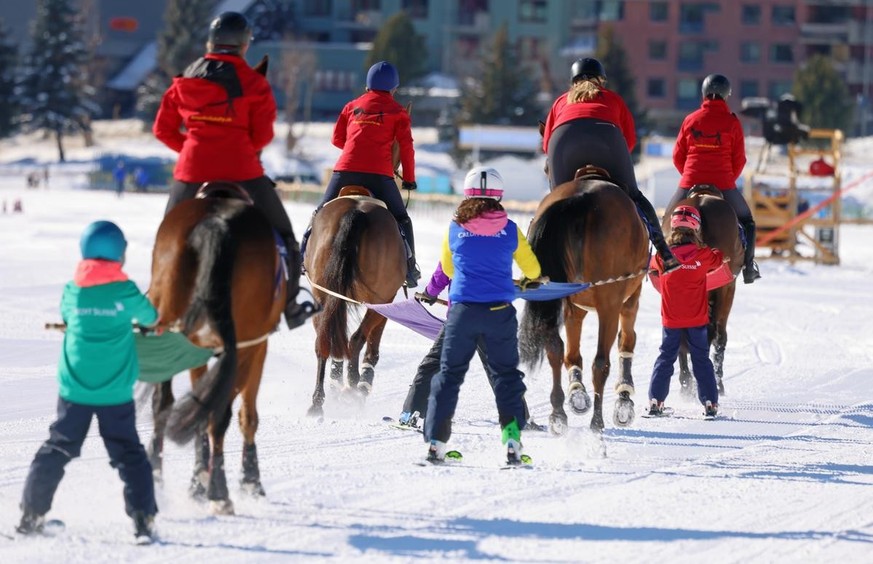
<point>483,182</point>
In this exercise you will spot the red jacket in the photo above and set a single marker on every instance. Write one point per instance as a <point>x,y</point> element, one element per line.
<point>366,130</point>
<point>683,292</point>
<point>228,112</point>
<point>608,106</point>
<point>710,148</point>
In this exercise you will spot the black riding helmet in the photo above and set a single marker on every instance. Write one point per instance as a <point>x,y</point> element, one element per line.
<point>229,29</point>
<point>716,85</point>
<point>587,67</point>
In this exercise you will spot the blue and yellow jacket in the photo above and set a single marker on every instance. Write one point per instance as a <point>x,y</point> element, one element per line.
<point>478,258</point>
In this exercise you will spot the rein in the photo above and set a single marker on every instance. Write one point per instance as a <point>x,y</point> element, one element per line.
<point>331,292</point>
<point>611,280</point>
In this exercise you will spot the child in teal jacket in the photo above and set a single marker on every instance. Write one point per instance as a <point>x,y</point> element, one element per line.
<point>96,373</point>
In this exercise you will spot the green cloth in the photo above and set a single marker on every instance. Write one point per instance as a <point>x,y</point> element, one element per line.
<point>163,356</point>
<point>98,364</point>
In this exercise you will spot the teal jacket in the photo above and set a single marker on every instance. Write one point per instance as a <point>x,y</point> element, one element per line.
<point>98,364</point>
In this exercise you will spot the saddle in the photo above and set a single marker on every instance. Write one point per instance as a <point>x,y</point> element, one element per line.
<point>704,190</point>
<point>223,189</point>
<point>591,170</point>
<point>358,193</point>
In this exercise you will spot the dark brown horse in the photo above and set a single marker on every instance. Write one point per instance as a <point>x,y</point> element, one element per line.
<point>217,277</point>
<point>355,256</point>
<point>719,229</point>
<point>587,230</point>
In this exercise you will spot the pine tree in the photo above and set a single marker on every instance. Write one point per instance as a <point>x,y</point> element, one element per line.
<point>826,100</point>
<point>619,79</point>
<point>56,95</point>
<point>8,68</point>
<point>181,41</point>
<point>399,44</point>
<point>504,94</point>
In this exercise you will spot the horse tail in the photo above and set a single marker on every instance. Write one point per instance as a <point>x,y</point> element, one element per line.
<point>215,246</point>
<point>552,239</point>
<point>340,272</point>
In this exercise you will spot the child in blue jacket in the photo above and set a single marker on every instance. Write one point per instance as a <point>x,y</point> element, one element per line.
<point>478,252</point>
<point>96,374</point>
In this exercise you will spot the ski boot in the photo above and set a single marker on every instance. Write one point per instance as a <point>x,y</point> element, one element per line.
<point>31,523</point>
<point>144,528</point>
<point>710,410</point>
<point>408,419</point>
<point>436,452</point>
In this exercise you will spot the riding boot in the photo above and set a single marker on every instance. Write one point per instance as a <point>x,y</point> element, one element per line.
<point>412,271</point>
<point>655,233</point>
<point>750,268</point>
<point>295,314</point>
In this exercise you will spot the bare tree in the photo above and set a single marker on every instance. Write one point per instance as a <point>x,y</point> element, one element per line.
<point>296,79</point>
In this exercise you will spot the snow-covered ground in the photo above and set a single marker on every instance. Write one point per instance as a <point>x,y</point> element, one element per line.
<point>785,476</point>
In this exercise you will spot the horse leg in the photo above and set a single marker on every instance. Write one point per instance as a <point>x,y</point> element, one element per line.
<point>373,328</point>
<point>555,352</point>
<point>579,400</point>
<point>200,475</point>
<point>627,340</point>
<point>251,369</point>
<point>317,407</point>
<point>686,381</point>
<point>216,490</point>
<point>606,335</point>
<point>336,376</point>
<point>722,303</point>
<point>162,402</point>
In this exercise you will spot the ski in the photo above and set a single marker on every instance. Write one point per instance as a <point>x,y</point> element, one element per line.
<point>665,412</point>
<point>394,424</point>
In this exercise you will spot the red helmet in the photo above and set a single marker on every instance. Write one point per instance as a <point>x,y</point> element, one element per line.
<point>685,216</point>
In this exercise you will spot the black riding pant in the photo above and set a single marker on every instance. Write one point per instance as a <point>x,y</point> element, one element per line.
<point>262,190</point>
<point>590,141</point>
<point>382,187</point>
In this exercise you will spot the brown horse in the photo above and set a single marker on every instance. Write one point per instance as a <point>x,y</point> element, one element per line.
<point>719,229</point>
<point>587,230</point>
<point>355,255</point>
<point>217,277</point>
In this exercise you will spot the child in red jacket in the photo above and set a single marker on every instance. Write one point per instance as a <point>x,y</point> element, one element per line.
<point>684,311</point>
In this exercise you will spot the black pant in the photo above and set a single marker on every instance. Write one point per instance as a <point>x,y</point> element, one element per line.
<point>382,187</point>
<point>117,424</point>
<point>263,193</point>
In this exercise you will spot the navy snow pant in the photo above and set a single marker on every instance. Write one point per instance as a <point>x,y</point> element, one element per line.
<point>117,424</point>
<point>497,327</point>
<point>698,346</point>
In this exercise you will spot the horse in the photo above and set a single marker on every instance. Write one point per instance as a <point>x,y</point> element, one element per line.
<point>587,230</point>
<point>355,255</point>
<point>217,276</point>
<point>720,230</point>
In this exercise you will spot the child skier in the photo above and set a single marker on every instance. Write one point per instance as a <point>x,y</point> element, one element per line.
<point>684,311</point>
<point>96,373</point>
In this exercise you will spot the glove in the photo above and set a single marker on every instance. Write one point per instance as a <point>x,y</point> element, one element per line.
<point>531,283</point>
<point>427,298</point>
<point>409,185</point>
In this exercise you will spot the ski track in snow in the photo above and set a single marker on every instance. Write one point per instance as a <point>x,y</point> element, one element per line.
<point>783,476</point>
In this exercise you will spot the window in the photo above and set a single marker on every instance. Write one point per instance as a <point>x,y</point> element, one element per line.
<point>317,7</point>
<point>658,11</point>
<point>748,88</point>
<point>687,94</point>
<point>750,52</point>
<point>417,9</point>
<point>781,53</point>
<point>692,17</point>
<point>656,88</point>
<point>777,88</point>
<point>365,5</point>
<point>657,50</point>
<point>611,10</point>
<point>782,15</point>
<point>691,56</point>
<point>751,14</point>
<point>532,10</point>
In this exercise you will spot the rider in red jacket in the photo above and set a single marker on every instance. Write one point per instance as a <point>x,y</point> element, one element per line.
<point>710,149</point>
<point>366,130</point>
<point>228,111</point>
<point>590,124</point>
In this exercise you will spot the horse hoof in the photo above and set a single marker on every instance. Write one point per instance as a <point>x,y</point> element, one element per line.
<point>254,489</point>
<point>221,507</point>
<point>158,477</point>
<point>364,388</point>
<point>624,412</point>
<point>315,411</point>
<point>578,398</point>
<point>558,425</point>
<point>721,387</point>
